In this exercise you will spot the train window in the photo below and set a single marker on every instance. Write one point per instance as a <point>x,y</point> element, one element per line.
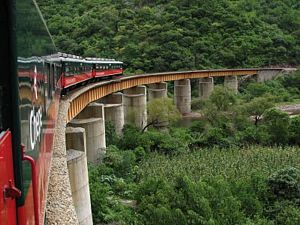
<point>53,78</point>
<point>53,74</point>
<point>67,70</point>
<point>49,92</point>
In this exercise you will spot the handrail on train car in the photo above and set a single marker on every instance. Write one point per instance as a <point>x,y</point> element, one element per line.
<point>34,184</point>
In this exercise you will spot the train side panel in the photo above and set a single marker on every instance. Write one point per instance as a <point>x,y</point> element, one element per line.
<point>38,97</point>
<point>109,72</point>
<point>7,182</point>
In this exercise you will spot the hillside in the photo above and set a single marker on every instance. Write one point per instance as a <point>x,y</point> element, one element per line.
<point>178,34</point>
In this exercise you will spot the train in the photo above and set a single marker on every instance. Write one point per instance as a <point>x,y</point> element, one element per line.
<point>34,76</point>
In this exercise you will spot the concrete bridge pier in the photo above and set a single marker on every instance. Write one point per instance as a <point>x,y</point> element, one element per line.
<point>231,82</point>
<point>157,90</point>
<point>76,138</point>
<point>92,120</point>
<point>206,87</point>
<point>135,106</point>
<point>182,95</point>
<point>78,174</point>
<point>114,110</point>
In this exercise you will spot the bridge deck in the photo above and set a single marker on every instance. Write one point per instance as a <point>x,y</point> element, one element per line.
<point>82,97</point>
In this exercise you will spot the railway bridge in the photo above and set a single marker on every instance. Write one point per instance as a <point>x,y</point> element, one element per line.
<point>80,133</point>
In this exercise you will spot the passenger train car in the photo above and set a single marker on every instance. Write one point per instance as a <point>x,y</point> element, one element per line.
<point>33,77</point>
<point>77,71</point>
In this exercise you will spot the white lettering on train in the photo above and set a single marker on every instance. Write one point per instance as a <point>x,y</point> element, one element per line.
<point>35,126</point>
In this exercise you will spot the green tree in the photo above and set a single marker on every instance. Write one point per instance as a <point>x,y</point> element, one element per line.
<point>161,111</point>
<point>276,125</point>
<point>294,130</point>
<point>223,98</point>
<point>258,106</point>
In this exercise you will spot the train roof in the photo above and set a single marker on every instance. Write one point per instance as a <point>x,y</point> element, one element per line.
<point>33,59</point>
<point>104,62</point>
<point>73,58</point>
<point>58,57</point>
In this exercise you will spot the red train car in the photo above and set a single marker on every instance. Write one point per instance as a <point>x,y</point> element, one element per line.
<point>105,68</point>
<point>77,71</point>
<point>33,76</point>
<point>29,94</point>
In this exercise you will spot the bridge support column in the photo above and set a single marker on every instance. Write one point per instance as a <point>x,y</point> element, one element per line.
<point>114,110</point>
<point>231,82</point>
<point>206,87</point>
<point>135,106</point>
<point>79,180</point>
<point>182,95</point>
<point>76,138</point>
<point>95,136</point>
<point>157,90</point>
<point>92,120</point>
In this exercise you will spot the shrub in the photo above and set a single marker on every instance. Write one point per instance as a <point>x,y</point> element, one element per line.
<point>223,98</point>
<point>252,135</point>
<point>276,123</point>
<point>254,89</point>
<point>139,153</point>
<point>285,184</point>
<point>131,138</point>
<point>110,133</point>
<point>198,104</point>
<point>294,130</point>
<point>215,137</point>
<point>121,162</point>
<point>100,198</point>
<point>290,215</point>
<point>198,127</point>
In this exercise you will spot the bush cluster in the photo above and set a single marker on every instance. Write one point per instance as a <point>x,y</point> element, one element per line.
<point>216,200</point>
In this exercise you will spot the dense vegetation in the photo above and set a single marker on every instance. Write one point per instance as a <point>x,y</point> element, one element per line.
<point>238,164</point>
<point>178,34</point>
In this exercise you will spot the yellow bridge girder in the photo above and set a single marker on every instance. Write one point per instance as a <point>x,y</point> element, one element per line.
<point>83,96</point>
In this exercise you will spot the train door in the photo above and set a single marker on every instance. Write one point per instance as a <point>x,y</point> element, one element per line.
<point>10,193</point>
